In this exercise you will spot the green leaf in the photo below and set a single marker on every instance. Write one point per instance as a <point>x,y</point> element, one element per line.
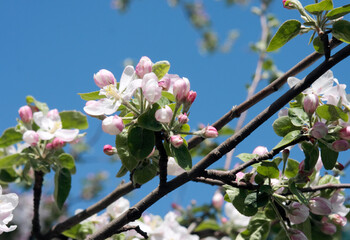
<point>8,175</point>
<point>168,96</point>
<point>338,12</point>
<point>161,68</point>
<point>245,157</point>
<point>209,224</point>
<point>318,45</point>
<point>148,120</point>
<point>13,160</point>
<point>299,195</point>
<point>298,116</point>
<point>121,143</point>
<point>268,169</point>
<point>324,5</point>
<point>290,137</point>
<point>9,137</point>
<point>311,155</point>
<point>226,131</point>
<point>143,174</point>
<point>237,197</point>
<point>292,168</point>
<point>91,96</point>
<point>140,142</point>
<point>328,156</point>
<point>122,171</point>
<point>62,186</point>
<point>66,160</point>
<point>73,119</point>
<point>331,113</point>
<point>258,229</point>
<point>305,227</point>
<point>182,156</point>
<point>40,105</point>
<point>283,125</point>
<point>288,30</point>
<point>328,179</point>
<point>341,30</point>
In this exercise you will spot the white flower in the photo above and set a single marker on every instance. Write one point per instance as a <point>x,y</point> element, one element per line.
<point>115,96</point>
<point>118,207</point>
<point>337,204</point>
<point>236,217</point>
<point>8,202</point>
<point>173,168</point>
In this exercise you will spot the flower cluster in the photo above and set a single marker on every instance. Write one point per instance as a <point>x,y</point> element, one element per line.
<point>8,202</point>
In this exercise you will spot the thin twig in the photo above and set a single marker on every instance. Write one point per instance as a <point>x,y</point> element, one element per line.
<point>136,228</point>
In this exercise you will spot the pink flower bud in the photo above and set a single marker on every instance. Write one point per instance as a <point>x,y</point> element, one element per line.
<point>218,200</point>
<point>144,66</point>
<point>109,150</point>
<point>344,133</point>
<point>191,96</point>
<point>31,137</point>
<point>210,132</point>
<point>26,114</point>
<point>310,103</point>
<point>176,141</point>
<point>164,115</point>
<point>298,213</point>
<point>104,78</point>
<point>297,234</point>
<point>113,125</point>
<point>340,145</point>
<point>57,143</point>
<point>319,130</point>
<point>49,146</point>
<point>150,88</point>
<point>328,228</point>
<point>183,119</point>
<point>165,82</point>
<point>180,89</point>
<point>337,219</point>
<point>320,206</point>
<point>260,150</point>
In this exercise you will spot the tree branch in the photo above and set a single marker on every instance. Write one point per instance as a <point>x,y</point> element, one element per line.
<point>135,212</point>
<point>163,160</point>
<point>136,228</point>
<point>37,189</point>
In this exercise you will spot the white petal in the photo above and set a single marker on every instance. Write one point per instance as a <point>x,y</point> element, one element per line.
<point>45,135</point>
<point>324,83</point>
<point>127,76</point>
<point>173,168</point>
<point>111,108</point>
<point>38,117</point>
<point>100,107</point>
<point>292,81</point>
<point>130,89</point>
<point>67,135</point>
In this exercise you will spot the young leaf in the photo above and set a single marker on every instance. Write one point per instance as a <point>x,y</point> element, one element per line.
<point>318,45</point>
<point>237,197</point>
<point>9,137</point>
<point>341,30</point>
<point>286,32</point>
<point>209,224</point>
<point>73,119</point>
<point>258,228</point>
<point>331,113</point>
<point>122,171</point>
<point>338,12</point>
<point>121,143</point>
<point>245,157</point>
<point>283,125</point>
<point>13,160</point>
<point>66,160</point>
<point>324,5</point>
<point>161,68</point>
<point>62,186</point>
<point>140,142</point>
<point>144,174</point>
<point>148,121</point>
<point>292,168</point>
<point>311,155</point>
<point>182,156</point>
<point>268,169</point>
<point>290,137</point>
<point>91,96</point>
<point>42,106</point>
<point>328,156</point>
<point>298,116</point>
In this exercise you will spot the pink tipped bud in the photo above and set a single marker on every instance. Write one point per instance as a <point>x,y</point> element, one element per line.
<point>26,114</point>
<point>164,115</point>
<point>344,133</point>
<point>340,145</point>
<point>310,103</point>
<point>104,78</point>
<point>260,150</point>
<point>296,234</point>
<point>31,137</point>
<point>337,219</point>
<point>319,130</point>
<point>165,82</point>
<point>320,206</point>
<point>328,228</point>
<point>176,141</point>
<point>49,146</point>
<point>180,89</point>
<point>298,213</point>
<point>109,150</point>
<point>183,119</point>
<point>191,96</point>
<point>57,143</point>
<point>218,200</point>
<point>113,125</point>
<point>339,166</point>
<point>144,66</point>
<point>210,132</point>
<point>176,206</point>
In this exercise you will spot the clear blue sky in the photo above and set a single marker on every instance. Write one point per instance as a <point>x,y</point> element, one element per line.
<point>51,49</point>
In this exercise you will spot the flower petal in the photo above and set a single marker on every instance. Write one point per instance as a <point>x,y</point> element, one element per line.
<point>130,89</point>
<point>45,135</point>
<point>67,135</point>
<point>126,78</point>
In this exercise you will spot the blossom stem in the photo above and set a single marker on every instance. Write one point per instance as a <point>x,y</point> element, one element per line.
<point>131,107</point>
<point>141,101</point>
<point>177,106</point>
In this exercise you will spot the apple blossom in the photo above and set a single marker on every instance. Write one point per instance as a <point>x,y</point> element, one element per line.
<point>340,145</point>
<point>109,150</point>
<point>328,228</point>
<point>217,200</point>
<point>319,130</point>
<point>298,213</point>
<point>103,78</point>
<point>191,96</point>
<point>209,132</point>
<point>31,137</point>
<point>182,118</point>
<point>118,207</point>
<point>113,125</point>
<point>150,88</point>
<point>344,133</point>
<point>176,141</point>
<point>296,234</point>
<point>338,219</point>
<point>260,150</point>
<point>181,87</point>
<point>320,206</point>
<point>311,103</point>
<point>8,202</point>
<point>25,114</point>
<point>236,218</point>
<point>165,82</point>
<point>144,66</point>
<point>164,115</point>
<point>337,203</point>
<point>173,168</point>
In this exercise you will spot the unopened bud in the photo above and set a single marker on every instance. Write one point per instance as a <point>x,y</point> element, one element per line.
<point>298,213</point>
<point>180,89</point>
<point>338,219</point>
<point>319,130</point>
<point>182,118</point>
<point>328,228</point>
<point>164,115</point>
<point>26,114</point>
<point>344,133</point>
<point>310,103</point>
<point>260,150</point>
<point>218,200</point>
<point>144,66</point>
<point>340,145</point>
<point>31,137</point>
<point>296,234</point>
<point>176,141</point>
<point>210,132</point>
<point>104,78</point>
<point>339,166</point>
<point>109,150</point>
<point>57,143</point>
<point>320,206</point>
<point>113,125</point>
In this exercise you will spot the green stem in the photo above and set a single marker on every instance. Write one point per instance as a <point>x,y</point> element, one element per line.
<point>284,226</point>
<point>177,106</point>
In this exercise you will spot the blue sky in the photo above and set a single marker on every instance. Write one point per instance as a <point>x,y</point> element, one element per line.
<point>51,49</point>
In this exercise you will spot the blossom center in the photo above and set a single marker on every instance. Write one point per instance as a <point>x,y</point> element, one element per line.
<point>112,92</point>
